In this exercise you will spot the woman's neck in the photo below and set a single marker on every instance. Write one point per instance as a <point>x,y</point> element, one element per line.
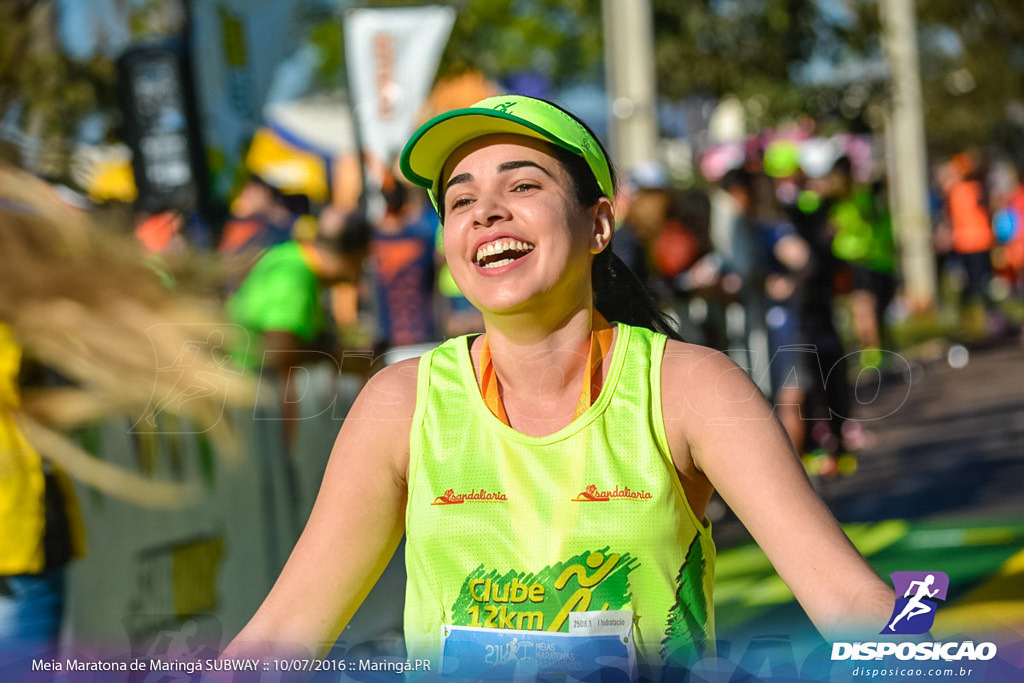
<point>540,368</point>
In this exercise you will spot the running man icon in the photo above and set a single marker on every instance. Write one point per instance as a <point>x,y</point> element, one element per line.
<point>919,591</point>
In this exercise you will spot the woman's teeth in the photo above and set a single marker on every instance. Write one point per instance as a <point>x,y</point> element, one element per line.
<point>502,253</point>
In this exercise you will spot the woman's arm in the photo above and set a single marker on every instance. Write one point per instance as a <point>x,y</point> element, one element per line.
<point>355,525</point>
<point>720,427</point>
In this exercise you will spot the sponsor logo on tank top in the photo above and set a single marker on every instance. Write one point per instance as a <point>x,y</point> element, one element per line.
<point>482,495</point>
<point>594,495</point>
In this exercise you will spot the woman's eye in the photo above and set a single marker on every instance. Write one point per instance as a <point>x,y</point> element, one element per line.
<point>523,187</point>
<point>460,202</point>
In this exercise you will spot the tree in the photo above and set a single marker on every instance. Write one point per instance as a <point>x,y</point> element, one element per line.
<point>54,93</point>
<point>559,39</point>
<point>748,48</point>
<point>758,50</point>
<point>972,61</point>
<point>972,71</point>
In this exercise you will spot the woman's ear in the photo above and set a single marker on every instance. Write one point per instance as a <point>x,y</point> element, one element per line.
<point>603,213</point>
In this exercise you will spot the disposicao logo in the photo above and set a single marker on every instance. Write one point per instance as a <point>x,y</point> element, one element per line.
<point>914,612</point>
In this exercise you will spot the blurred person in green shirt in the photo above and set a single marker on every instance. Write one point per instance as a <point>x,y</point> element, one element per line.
<point>863,239</point>
<point>281,302</point>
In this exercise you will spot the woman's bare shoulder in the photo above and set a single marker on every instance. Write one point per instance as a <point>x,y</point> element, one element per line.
<point>683,359</point>
<point>378,424</point>
<point>707,383</point>
<point>389,394</point>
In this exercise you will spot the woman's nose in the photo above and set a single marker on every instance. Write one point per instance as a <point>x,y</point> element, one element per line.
<point>489,210</point>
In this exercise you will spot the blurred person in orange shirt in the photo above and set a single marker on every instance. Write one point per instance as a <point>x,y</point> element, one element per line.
<point>262,216</point>
<point>971,232</point>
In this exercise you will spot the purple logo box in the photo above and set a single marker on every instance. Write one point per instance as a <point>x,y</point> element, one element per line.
<point>916,596</point>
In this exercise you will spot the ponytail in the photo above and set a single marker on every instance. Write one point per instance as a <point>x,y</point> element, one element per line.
<point>620,296</point>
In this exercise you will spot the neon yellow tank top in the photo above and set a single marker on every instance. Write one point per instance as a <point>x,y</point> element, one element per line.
<point>536,534</point>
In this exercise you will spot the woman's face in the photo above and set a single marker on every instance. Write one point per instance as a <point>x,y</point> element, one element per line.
<point>514,234</point>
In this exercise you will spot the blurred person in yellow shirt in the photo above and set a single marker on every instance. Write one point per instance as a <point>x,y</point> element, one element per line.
<point>39,522</point>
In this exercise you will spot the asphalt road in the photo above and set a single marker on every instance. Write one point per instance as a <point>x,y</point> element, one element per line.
<point>944,442</point>
<point>939,487</point>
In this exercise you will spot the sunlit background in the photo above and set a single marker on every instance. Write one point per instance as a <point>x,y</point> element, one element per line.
<point>121,110</point>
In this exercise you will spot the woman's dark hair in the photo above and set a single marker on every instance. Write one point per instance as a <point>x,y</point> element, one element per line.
<point>619,294</point>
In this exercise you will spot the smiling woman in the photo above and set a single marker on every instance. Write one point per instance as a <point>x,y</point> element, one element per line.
<point>551,475</point>
<point>618,294</point>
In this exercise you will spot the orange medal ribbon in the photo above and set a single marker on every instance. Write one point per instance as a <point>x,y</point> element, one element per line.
<point>600,344</point>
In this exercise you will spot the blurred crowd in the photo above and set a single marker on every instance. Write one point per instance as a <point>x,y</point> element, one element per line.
<point>790,267</point>
<point>786,260</point>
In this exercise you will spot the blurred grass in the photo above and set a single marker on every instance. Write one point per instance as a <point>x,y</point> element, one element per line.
<point>947,322</point>
<point>969,324</point>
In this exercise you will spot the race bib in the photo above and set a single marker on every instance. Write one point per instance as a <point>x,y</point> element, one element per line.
<point>596,641</point>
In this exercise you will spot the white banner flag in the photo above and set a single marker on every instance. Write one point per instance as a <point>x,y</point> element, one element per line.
<point>392,56</point>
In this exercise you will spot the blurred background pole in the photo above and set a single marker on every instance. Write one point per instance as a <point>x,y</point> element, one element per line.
<point>629,65</point>
<point>908,173</point>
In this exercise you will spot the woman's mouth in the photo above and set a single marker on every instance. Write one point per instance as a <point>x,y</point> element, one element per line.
<point>501,253</point>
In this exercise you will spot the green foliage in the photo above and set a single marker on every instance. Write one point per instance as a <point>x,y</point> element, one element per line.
<point>54,91</point>
<point>561,39</point>
<point>558,38</point>
<point>740,47</point>
<point>967,92</point>
<point>328,37</point>
<point>971,55</point>
<point>757,50</point>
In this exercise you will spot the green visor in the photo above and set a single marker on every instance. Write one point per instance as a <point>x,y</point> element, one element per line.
<point>430,146</point>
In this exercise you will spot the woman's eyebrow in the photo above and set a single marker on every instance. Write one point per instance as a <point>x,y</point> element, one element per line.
<point>513,165</point>
<point>456,179</point>
<point>502,168</point>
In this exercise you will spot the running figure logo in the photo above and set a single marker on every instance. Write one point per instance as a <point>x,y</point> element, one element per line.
<point>914,612</point>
